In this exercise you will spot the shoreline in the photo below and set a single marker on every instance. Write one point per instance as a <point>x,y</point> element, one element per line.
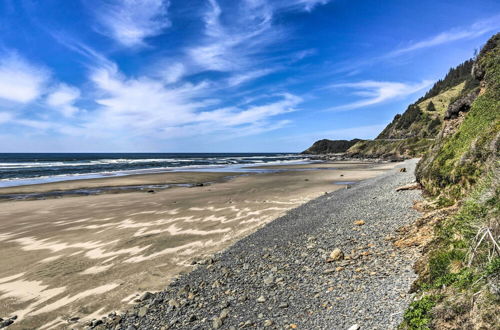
<point>154,182</point>
<point>282,275</point>
<point>82,257</point>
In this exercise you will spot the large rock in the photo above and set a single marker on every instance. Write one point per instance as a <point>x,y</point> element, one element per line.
<point>463,104</point>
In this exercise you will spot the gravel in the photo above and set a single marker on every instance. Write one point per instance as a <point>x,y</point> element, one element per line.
<point>283,276</point>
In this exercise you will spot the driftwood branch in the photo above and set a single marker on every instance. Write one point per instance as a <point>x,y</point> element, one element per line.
<point>410,186</point>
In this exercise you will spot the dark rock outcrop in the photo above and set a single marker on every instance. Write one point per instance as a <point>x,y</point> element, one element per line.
<point>463,104</point>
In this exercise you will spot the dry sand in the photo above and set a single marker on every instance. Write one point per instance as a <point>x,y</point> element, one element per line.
<point>86,256</point>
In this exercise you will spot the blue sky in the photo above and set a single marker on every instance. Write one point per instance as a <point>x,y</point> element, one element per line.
<point>221,75</point>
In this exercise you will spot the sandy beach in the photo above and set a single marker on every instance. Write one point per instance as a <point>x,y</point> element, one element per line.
<point>71,259</point>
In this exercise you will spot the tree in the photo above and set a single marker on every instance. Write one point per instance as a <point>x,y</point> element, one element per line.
<point>431,107</point>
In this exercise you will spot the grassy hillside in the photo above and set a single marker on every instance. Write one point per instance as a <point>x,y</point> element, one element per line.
<point>330,146</point>
<point>410,134</point>
<point>459,283</point>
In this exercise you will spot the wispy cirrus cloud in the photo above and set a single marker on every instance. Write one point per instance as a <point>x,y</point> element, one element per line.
<point>475,30</point>
<point>374,92</point>
<point>130,22</point>
<point>20,80</point>
<point>237,34</point>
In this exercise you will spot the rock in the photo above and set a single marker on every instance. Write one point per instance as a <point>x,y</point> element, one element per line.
<point>261,299</point>
<point>336,254</point>
<point>142,311</point>
<point>173,303</point>
<point>6,323</point>
<point>192,318</point>
<point>269,280</point>
<point>216,323</point>
<point>224,314</point>
<point>95,323</point>
<point>463,104</point>
<point>268,323</point>
<point>402,169</point>
<point>359,222</point>
<point>354,327</point>
<point>328,271</point>
<point>74,319</point>
<point>283,305</point>
<point>146,296</point>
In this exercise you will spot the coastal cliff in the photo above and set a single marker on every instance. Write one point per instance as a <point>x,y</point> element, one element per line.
<point>455,129</point>
<point>459,283</point>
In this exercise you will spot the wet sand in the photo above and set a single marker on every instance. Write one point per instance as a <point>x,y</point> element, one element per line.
<point>82,257</point>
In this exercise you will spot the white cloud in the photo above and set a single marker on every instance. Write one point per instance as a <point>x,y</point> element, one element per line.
<point>147,107</point>
<point>172,73</point>
<point>130,22</point>
<point>242,78</point>
<point>63,99</point>
<point>306,5</point>
<point>5,117</point>
<point>374,92</point>
<point>235,39</point>
<point>21,81</point>
<point>473,31</point>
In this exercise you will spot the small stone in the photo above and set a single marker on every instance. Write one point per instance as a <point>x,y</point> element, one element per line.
<point>359,222</point>
<point>95,323</point>
<point>146,296</point>
<point>268,323</point>
<point>269,280</point>
<point>293,326</point>
<point>328,271</point>
<point>283,305</point>
<point>224,314</point>
<point>338,269</point>
<point>354,327</point>
<point>216,323</point>
<point>6,323</point>
<point>142,311</point>
<point>192,318</point>
<point>261,299</point>
<point>173,303</point>
<point>336,254</point>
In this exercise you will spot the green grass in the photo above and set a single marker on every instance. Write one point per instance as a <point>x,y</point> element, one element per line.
<point>417,316</point>
<point>442,100</point>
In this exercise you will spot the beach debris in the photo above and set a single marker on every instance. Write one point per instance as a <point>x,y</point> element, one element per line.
<point>410,186</point>
<point>402,169</point>
<point>359,222</point>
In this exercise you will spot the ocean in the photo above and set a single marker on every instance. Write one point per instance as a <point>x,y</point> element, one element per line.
<point>32,168</point>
